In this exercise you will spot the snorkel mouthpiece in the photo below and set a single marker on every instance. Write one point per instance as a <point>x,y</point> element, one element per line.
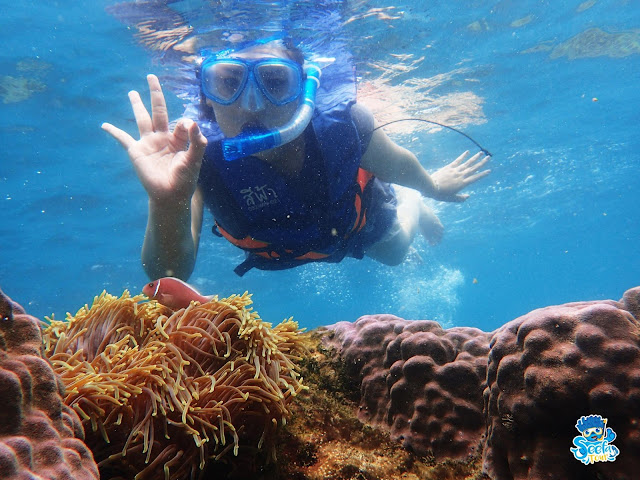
<point>247,144</point>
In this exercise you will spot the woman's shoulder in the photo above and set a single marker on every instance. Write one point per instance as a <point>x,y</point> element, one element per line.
<point>364,121</point>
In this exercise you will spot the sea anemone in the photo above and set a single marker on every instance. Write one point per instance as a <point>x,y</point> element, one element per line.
<point>161,392</point>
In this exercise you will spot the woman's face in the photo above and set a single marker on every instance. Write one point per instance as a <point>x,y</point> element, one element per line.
<point>252,109</point>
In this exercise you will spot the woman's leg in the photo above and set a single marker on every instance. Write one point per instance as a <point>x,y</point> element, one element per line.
<point>413,215</point>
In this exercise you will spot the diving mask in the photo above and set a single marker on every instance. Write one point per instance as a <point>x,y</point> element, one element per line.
<point>281,82</point>
<point>224,79</point>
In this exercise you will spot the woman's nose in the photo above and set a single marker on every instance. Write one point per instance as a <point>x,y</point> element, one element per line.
<point>252,99</point>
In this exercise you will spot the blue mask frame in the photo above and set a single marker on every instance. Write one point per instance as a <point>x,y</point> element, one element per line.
<point>249,69</point>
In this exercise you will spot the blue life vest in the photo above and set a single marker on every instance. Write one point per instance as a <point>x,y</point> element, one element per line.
<point>281,223</point>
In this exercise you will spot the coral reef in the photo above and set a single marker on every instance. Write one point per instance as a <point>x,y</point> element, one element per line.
<point>592,43</point>
<point>19,89</point>
<point>14,89</point>
<point>325,440</point>
<point>548,368</point>
<point>160,392</point>
<point>598,43</point>
<point>40,437</point>
<point>422,382</point>
<point>544,371</point>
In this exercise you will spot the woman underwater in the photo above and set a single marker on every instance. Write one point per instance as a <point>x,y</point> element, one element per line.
<point>285,182</point>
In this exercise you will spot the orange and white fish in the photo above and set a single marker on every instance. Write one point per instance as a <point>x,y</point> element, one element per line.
<point>173,293</point>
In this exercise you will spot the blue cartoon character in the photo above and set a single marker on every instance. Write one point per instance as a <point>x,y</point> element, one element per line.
<point>593,445</point>
<point>594,428</point>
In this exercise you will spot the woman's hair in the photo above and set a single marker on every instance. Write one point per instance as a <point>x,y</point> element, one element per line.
<point>285,48</point>
<point>205,112</point>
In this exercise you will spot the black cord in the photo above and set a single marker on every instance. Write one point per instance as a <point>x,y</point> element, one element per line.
<point>482,149</point>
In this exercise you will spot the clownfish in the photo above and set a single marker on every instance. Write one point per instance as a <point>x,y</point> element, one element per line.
<point>173,293</point>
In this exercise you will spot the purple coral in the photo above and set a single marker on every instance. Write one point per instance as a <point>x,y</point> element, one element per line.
<point>422,382</point>
<point>549,368</point>
<point>516,393</point>
<point>40,437</point>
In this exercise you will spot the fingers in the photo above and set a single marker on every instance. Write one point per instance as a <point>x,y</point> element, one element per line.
<point>460,159</point>
<point>460,175</point>
<point>196,137</point>
<point>143,120</point>
<point>187,132</point>
<point>471,166</point>
<point>473,163</point>
<point>198,143</point>
<point>472,160</point>
<point>181,132</point>
<point>473,178</point>
<point>160,115</point>
<point>146,123</point>
<point>121,136</point>
<point>472,169</point>
<point>481,163</point>
<point>189,165</point>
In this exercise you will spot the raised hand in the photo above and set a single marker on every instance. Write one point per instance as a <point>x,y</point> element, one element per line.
<point>167,163</point>
<point>452,178</point>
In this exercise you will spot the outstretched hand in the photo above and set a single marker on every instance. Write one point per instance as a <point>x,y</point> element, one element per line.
<point>452,178</point>
<point>167,163</point>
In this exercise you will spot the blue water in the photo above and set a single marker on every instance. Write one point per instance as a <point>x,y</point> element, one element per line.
<point>556,221</point>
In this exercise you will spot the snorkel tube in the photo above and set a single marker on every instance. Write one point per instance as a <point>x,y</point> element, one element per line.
<point>247,144</point>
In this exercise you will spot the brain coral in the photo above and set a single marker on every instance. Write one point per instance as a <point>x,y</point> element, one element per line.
<point>422,382</point>
<point>550,367</point>
<point>40,437</point>
<point>162,392</point>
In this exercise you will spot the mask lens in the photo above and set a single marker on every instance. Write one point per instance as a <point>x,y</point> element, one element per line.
<point>280,82</point>
<point>223,81</point>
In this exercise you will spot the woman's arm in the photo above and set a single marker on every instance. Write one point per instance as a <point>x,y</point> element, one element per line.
<point>167,164</point>
<point>395,164</point>
<point>171,240</point>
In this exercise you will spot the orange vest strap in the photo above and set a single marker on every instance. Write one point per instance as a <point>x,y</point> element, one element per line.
<point>247,243</point>
<point>363,178</point>
<point>313,256</point>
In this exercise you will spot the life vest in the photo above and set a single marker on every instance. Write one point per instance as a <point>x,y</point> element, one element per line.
<point>283,223</point>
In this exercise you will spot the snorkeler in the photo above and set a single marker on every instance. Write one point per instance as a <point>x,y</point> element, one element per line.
<point>286,182</point>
